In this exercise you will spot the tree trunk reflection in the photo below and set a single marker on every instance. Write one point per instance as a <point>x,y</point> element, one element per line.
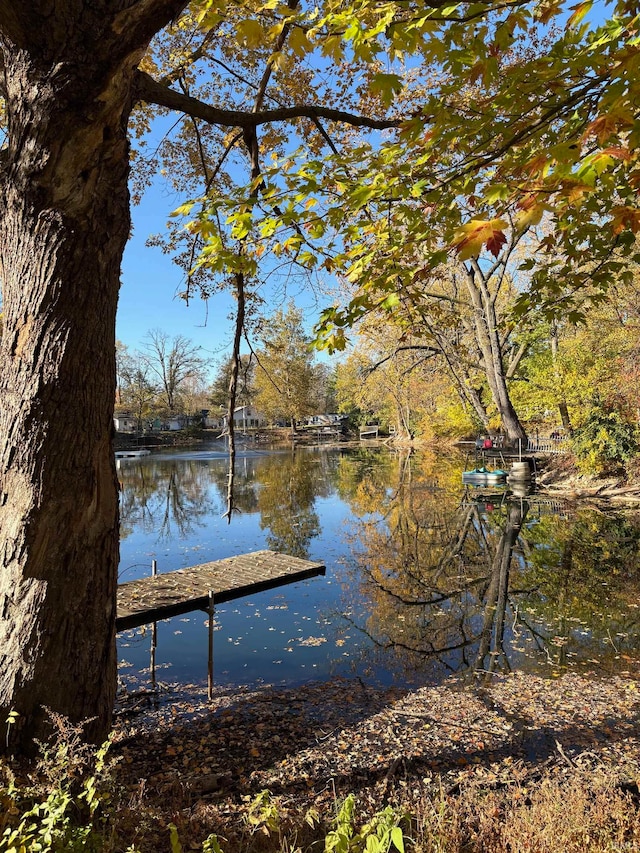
<point>495,604</point>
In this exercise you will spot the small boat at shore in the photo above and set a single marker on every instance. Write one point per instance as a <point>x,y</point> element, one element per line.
<point>126,454</point>
<point>484,477</point>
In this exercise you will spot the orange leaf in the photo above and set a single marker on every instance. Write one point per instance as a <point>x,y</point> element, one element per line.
<point>618,153</point>
<point>574,190</point>
<point>537,165</point>
<point>470,238</point>
<point>496,242</point>
<point>625,218</point>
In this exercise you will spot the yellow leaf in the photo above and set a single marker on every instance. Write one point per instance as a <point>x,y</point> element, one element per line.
<point>298,41</point>
<point>250,32</point>
<point>470,238</point>
<point>333,48</point>
<point>526,218</point>
<point>278,60</point>
<point>579,11</point>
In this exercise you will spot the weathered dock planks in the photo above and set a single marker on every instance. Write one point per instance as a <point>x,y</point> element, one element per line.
<point>160,596</point>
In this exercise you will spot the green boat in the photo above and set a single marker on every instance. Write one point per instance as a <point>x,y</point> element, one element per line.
<point>484,477</point>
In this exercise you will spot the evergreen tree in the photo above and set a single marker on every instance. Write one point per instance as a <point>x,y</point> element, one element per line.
<point>285,373</point>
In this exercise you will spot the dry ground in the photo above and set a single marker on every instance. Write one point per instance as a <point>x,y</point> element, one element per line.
<point>498,744</point>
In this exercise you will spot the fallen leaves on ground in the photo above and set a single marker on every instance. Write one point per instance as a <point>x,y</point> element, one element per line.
<point>199,761</point>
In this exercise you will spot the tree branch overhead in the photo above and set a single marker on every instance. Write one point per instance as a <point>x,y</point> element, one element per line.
<point>149,90</point>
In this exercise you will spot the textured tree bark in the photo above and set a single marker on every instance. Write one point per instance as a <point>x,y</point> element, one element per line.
<point>64,221</point>
<point>488,339</point>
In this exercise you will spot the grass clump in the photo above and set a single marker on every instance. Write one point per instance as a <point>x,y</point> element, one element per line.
<point>586,813</point>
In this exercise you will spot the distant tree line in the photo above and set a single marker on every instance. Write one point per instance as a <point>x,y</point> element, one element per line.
<point>170,377</point>
<point>165,378</point>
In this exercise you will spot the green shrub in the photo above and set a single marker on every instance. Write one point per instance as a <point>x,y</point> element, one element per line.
<point>379,835</point>
<point>604,443</point>
<point>59,811</point>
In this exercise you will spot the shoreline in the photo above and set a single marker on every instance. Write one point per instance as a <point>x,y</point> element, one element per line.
<point>312,745</point>
<point>558,477</point>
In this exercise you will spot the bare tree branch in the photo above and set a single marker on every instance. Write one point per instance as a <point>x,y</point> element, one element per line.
<point>416,347</point>
<point>149,90</point>
<point>233,389</point>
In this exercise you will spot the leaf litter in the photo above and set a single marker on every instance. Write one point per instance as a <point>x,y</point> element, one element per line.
<point>200,761</point>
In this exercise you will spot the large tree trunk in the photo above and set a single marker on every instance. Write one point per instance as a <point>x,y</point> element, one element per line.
<point>64,221</point>
<point>487,336</point>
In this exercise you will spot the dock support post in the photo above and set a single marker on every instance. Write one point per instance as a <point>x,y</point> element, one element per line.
<point>154,635</point>
<point>210,661</point>
<point>152,664</point>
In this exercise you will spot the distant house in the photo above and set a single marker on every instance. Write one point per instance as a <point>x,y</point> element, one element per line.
<point>331,420</point>
<point>167,424</point>
<point>213,422</point>
<point>246,417</point>
<point>125,423</point>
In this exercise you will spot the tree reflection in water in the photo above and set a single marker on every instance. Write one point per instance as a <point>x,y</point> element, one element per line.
<point>424,577</point>
<point>174,497</point>
<point>482,583</point>
<point>286,503</point>
<point>167,497</point>
<point>491,646</point>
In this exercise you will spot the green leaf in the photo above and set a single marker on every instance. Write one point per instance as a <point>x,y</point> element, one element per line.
<point>176,847</point>
<point>211,845</point>
<point>397,838</point>
<point>387,85</point>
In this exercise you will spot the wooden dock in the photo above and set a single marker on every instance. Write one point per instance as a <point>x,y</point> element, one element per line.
<point>160,596</point>
<point>369,431</point>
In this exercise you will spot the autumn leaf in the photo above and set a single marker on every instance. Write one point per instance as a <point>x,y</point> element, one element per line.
<point>496,242</point>
<point>625,218</point>
<point>573,190</point>
<point>608,125</point>
<point>529,215</point>
<point>618,153</point>
<point>538,165</point>
<point>250,32</point>
<point>579,12</point>
<point>298,42</point>
<point>470,238</point>
<point>547,10</point>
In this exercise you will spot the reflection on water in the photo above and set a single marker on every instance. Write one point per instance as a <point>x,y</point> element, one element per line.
<point>424,576</point>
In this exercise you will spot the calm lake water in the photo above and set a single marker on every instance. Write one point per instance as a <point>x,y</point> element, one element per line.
<point>424,577</point>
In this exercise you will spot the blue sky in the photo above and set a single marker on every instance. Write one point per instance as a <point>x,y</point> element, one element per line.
<point>151,282</point>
